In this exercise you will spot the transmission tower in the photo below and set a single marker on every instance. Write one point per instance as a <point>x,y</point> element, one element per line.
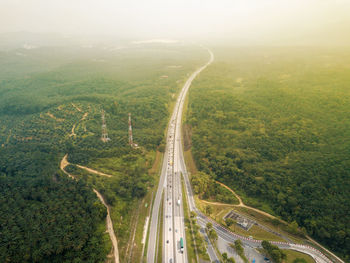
<point>104,136</point>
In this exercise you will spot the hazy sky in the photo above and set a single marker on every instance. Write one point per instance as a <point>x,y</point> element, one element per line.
<point>231,19</point>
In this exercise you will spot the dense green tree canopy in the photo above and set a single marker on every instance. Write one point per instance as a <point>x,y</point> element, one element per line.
<point>50,105</point>
<point>274,126</point>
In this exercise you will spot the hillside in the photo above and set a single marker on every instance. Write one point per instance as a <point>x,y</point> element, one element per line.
<point>50,105</point>
<point>273,124</point>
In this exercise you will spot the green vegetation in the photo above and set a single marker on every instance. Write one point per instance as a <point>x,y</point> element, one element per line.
<point>50,219</point>
<point>160,229</point>
<point>274,224</point>
<point>226,259</point>
<point>277,255</point>
<point>200,243</point>
<point>211,232</point>
<point>219,211</point>
<point>206,188</point>
<point>240,250</point>
<point>54,108</point>
<point>297,257</point>
<point>257,233</point>
<point>273,124</point>
<point>194,240</point>
<point>229,222</point>
<point>213,237</point>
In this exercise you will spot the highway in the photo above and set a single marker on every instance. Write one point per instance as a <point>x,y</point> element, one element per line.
<point>173,215</point>
<point>170,185</point>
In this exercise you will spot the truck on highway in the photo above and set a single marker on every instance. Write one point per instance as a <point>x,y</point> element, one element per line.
<point>181,245</point>
<point>178,202</point>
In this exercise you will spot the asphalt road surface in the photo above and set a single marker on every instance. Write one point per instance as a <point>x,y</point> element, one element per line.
<point>173,215</point>
<point>170,185</point>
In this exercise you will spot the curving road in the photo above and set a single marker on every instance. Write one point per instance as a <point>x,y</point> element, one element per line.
<point>109,224</point>
<point>110,228</point>
<point>170,183</point>
<point>222,232</point>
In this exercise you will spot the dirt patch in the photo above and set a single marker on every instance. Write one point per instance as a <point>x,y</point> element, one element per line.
<point>93,171</point>
<point>73,132</point>
<point>84,116</point>
<point>82,119</point>
<point>110,228</point>
<point>76,107</point>
<point>53,117</point>
<point>63,165</point>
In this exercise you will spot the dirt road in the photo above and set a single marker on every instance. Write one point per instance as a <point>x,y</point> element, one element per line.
<point>63,164</point>
<point>93,171</point>
<point>110,228</point>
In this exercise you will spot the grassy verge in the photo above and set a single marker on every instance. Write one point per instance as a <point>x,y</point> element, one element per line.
<point>213,242</point>
<point>190,164</point>
<point>154,171</point>
<point>273,224</point>
<point>144,255</point>
<point>190,240</point>
<point>219,211</point>
<point>122,224</point>
<point>292,255</point>
<point>256,232</point>
<point>160,233</point>
<point>157,161</point>
<point>143,211</point>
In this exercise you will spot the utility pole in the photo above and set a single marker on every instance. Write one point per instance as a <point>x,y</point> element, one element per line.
<point>104,136</point>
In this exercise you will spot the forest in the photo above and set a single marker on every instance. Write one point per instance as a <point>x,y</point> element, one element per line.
<point>50,105</point>
<point>274,125</point>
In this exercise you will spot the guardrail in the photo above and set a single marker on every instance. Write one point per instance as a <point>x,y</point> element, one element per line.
<point>291,245</point>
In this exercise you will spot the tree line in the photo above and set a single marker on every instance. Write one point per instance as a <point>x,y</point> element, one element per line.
<point>285,144</point>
